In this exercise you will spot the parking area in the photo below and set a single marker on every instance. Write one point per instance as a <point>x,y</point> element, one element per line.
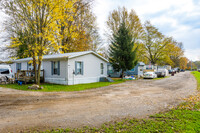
<point>23,110</point>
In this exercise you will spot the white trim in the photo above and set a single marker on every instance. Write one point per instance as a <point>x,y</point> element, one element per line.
<point>64,56</point>
<point>62,81</point>
<point>83,80</point>
<point>67,71</point>
<point>89,52</point>
<point>59,79</point>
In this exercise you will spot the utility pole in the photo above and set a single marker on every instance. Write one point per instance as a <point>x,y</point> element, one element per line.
<point>191,65</point>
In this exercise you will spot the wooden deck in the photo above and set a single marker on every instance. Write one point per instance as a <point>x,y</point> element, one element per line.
<point>28,76</point>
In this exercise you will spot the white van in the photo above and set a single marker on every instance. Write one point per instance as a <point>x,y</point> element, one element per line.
<point>162,72</point>
<point>5,70</point>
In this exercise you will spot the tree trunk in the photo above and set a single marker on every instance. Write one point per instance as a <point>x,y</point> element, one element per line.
<point>35,67</point>
<point>122,74</point>
<point>38,71</point>
<point>38,77</point>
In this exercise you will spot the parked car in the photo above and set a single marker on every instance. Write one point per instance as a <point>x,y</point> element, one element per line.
<point>174,71</point>
<point>5,70</point>
<point>182,70</point>
<point>170,71</point>
<point>162,72</point>
<point>150,75</point>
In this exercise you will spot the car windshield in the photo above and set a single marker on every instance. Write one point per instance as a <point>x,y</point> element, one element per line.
<point>4,71</point>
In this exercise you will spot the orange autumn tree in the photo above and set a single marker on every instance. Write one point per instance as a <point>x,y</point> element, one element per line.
<point>183,62</point>
<point>173,52</point>
<point>40,22</point>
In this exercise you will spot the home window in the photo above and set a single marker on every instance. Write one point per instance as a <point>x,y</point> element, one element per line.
<point>18,66</point>
<point>102,68</point>
<point>29,66</point>
<point>55,67</point>
<point>79,68</point>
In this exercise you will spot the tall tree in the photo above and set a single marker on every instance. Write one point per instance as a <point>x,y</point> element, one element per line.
<point>171,53</point>
<point>122,55</point>
<point>87,36</point>
<point>131,20</point>
<point>175,51</point>
<point>152,45</point>
<point>183,63</point>
<point>191,65</point>
<point>40,21</point>
<point>77,27</point>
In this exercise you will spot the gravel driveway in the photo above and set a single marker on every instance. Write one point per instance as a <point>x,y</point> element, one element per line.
<point>22,110</point>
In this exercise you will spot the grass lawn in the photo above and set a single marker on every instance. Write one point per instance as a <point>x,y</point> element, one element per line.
<point>172,121</point>
<point>197,76</point>
<point>55,87</point>
<point>183,118</point>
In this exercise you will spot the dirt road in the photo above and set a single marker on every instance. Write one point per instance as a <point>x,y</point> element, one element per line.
<point>22,110</point>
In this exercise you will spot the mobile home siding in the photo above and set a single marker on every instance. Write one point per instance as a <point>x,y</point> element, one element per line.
<point>57,79</point>
<point>23,66</point>
<point>91,69</point>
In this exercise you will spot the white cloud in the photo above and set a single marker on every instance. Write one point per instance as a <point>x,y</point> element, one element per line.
<point>177,18</point>
<point>165,20</point>
<point>102,8</point>
<point>193,54</point>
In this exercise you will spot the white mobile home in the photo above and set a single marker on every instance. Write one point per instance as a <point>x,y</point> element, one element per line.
<point>69,68</point>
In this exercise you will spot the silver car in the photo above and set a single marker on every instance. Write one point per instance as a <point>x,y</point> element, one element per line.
<point>150,75</point>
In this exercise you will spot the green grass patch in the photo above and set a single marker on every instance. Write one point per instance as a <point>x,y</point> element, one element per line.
<point>197,76</point>
<point>56,87</point>
<point>173,121</point>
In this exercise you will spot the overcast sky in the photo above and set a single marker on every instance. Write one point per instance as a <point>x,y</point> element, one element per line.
<point>3,55</point>
<point>177,18</point>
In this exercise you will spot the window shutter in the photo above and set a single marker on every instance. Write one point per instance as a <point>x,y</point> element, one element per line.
<point>51,67</point>
<point>82,68</point>
<point>102,68</point>
<point>58,67</point>
<point>75,67</point>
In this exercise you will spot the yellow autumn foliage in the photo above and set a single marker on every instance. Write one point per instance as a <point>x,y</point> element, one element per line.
<point>41,23</point>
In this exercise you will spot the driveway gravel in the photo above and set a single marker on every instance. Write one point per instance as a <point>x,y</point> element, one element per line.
<point>24,110</point>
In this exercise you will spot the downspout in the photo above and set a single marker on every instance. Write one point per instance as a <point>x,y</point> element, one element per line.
<point>67,72</point>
